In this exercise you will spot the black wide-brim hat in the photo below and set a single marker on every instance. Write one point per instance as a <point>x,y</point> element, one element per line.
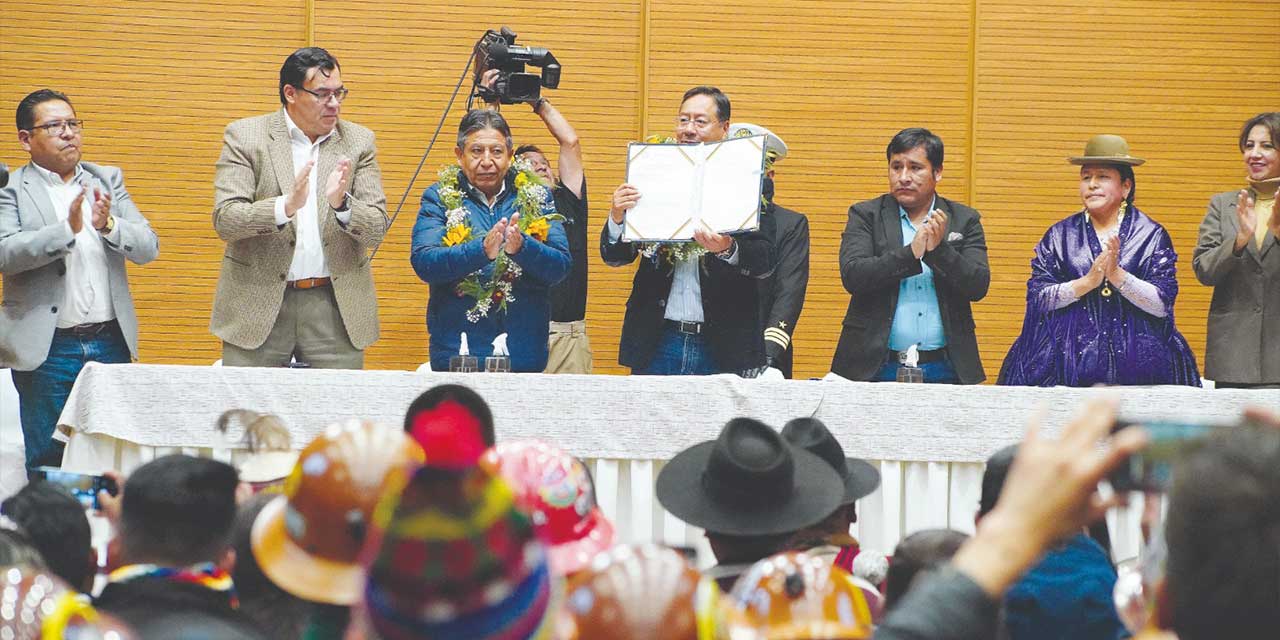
<point>860,478</point>
<point>749,482</point>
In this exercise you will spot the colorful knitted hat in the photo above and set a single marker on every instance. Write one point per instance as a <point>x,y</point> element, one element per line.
<point>451,557</point>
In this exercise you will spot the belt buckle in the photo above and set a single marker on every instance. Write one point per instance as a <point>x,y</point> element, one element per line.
<point>691,328</point>
<point>902,357</point>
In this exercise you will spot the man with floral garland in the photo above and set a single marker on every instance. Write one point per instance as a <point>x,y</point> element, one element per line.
<point>694,307</point>
<point>489,242</point>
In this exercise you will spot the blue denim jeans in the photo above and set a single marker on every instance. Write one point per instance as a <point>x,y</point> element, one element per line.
<point>940,372</point>
<point>680,354</point>
<point>43,392</point>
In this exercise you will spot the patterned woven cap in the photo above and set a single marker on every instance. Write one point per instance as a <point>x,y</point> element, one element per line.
<point>451,557</point>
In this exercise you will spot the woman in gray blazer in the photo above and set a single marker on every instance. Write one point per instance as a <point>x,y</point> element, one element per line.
<point>1237,256</point>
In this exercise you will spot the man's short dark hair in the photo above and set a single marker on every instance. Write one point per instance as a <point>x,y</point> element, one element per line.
<point>993,478</point>
<point>16,550</point>
<point>294,70</point>
<point>918,554</point>
<point>55,523</point>
<point>178,510</point>
<point>276,611</point>
<point>480,119</point>
<point>1223,534</point>
<point>1269,119</point>
<point>908,139</point>
<point>465,396</point>
<point>723,109</point>
<point>528,148</point>
<point>26,116</point>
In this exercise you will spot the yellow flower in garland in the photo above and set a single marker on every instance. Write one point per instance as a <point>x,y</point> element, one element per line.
<point>521,180</point>
<point>457,235</point>
<point>538,229</point>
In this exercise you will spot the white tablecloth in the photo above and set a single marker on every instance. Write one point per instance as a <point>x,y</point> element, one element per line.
<point>928,440</point>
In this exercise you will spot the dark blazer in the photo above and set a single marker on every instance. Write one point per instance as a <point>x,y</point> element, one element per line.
<point>782,294</point>
<point>730,302</point>
<point>873,263</point>
<point>1243,343</point>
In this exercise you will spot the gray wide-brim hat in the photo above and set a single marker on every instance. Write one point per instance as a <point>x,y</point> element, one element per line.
<point>1106,148</point>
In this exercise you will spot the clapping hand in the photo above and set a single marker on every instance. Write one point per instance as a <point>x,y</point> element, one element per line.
<point>937,224</point>
<point>513,238</point>
<point>301,189</point>
<point>1102,265</point>
<point>335,188</point>
<point>924,236</point>
<point>1115,274</point>
<point>75,217</point>
<point>101,210</point>
<point>494,240</point>
<point>1247,219</point>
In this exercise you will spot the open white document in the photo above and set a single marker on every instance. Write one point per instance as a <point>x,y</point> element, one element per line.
<point>683,187</point>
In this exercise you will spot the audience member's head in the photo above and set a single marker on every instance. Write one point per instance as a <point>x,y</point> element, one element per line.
<point>601,600</point>
<point>858,476</point>
<point>277,612</point>
<point>555,490</point>
<point>16,549</point>
<point>749,489</point>
<point>451,557</point>
<point>1223,535</point>
<point>452,423</point>
<point>177,511</point>
<point>993,478</point>
<point>35,603</point>
<point>795,595</point>
<point>916,556</point>
<point>308,540</point>
<point>56,524</point>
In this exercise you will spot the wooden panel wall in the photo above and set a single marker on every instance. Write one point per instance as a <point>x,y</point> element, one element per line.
<point>1013,87</point>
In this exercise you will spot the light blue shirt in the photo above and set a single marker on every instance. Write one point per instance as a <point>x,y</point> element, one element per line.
<point>917,320</point>
<point>684,301</point>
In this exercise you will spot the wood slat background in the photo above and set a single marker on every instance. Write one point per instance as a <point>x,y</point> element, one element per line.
<point>1013,87</point>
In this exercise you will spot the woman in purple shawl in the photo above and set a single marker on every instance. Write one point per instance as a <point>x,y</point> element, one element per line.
<point>1100,297</point>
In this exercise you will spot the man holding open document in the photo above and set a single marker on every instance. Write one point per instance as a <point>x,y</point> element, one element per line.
<point>694,306</point>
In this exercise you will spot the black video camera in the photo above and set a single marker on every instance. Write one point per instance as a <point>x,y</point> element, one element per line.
<point>498,50</point>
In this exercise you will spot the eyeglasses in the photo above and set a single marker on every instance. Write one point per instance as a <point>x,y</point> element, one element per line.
<point>56,128</point>
<point>699,122</point>
<point>324,95</point>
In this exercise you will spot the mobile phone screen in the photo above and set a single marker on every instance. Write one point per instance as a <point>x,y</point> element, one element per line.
<point>1152,468</point>
<point>83,486</point>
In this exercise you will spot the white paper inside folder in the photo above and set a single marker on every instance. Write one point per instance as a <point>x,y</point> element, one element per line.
<point>683,187</point>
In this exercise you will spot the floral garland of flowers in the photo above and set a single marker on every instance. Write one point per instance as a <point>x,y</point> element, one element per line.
<point>531,192</point>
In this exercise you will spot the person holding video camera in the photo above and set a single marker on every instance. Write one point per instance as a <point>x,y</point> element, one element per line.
<point>568,348</point>
<point>692,312</point>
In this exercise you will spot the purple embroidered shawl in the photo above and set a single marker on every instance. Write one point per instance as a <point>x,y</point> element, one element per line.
<point>1096,339</point>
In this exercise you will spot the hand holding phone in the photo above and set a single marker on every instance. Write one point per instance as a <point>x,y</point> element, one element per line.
<point>83,486</point>
<point>1152,468</point>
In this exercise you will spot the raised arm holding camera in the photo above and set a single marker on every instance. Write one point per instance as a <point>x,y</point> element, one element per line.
<point>568,347</point>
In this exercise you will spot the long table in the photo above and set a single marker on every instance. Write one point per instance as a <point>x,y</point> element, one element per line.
<point>929,441</point>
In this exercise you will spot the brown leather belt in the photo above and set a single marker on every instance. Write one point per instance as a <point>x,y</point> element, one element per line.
<point>87,329</point>
<point>308,283</point>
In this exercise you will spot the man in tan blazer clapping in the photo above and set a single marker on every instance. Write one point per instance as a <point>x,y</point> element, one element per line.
<point>298,199</point>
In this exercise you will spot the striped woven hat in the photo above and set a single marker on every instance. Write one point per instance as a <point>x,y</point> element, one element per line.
<point>451,557</point>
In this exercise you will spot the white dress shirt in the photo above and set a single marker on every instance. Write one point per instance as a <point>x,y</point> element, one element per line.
<point>87,297</point>
<point>308,251</point>
<point>684,300</point>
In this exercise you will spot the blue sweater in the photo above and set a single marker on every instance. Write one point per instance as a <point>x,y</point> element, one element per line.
<point>528,312</point>
<point>1067,596</point>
